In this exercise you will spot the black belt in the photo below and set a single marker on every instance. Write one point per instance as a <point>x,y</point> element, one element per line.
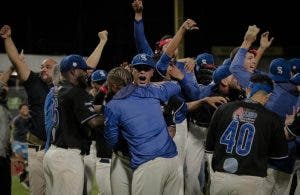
<point>37,147</point>
<point>104,160</point>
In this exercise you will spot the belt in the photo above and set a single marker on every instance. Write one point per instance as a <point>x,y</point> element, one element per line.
<point>105,160</point>
<point>37,147</point>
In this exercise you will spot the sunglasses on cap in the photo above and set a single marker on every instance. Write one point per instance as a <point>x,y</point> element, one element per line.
<point>140,68</point>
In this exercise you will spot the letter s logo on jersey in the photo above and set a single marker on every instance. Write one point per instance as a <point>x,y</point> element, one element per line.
<point>279,70</point>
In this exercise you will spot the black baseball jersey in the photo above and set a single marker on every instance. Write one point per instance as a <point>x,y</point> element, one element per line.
<point>75,110</point>
<point>242,136</point>
<point>294,128</point>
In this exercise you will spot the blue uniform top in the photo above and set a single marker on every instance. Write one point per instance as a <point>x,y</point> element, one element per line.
<point>190,88</point>
<point>141,42</point>
<point>144,47</point>
<point>283,98</point>
<point>135,114</point>
<point>238,70</point>
<point>283,92</point>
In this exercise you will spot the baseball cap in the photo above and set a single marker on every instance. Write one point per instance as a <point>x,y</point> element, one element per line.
<point>296,79</point>
<point>280,70</point>
<point>73,62</point>
<point>99,75</point>
<point>295,64</point>
<point>143,59</point>
<point>204,59</point>
<point>221,73</point>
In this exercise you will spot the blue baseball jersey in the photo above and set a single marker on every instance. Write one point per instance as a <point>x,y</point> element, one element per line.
<point>135,114</point>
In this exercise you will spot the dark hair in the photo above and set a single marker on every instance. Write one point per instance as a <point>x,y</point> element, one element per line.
<point>166,37</point>
<point>21,105</point>
<point>262,79</point>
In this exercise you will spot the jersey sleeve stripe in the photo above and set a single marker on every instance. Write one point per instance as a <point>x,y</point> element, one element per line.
<point>277,158</point>
<point>88,118</point>
<point>174,120</point>
<point>290,131</point>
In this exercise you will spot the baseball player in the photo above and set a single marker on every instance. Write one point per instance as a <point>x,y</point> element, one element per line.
<point>99,91</point>
<point>63,162</point>
<point>242,136</point>
<point>243,67</point>
<point>135,114</point>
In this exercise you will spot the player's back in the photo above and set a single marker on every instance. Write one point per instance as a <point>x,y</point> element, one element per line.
<point>243,135</point>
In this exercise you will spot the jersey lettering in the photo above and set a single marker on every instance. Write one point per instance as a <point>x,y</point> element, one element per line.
<point>228,137</point>
<point>244,139</point>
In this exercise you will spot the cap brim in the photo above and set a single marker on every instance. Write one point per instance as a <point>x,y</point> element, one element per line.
<point>133,65</point>
<point>278,78</point>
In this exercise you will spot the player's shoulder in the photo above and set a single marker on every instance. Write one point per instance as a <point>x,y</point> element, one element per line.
<point>268,115</point>
<point>229,105</point>
<point>273,115</point>
<point>266,112</point>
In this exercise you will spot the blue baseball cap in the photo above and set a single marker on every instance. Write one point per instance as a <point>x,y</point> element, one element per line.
<point>221,73</point>
<point>203,59</point>
<point>73,62</point>
<point>280,70</point>
<point>295,64</point>
<point>99,75</point>
<point>143,59</point>
<point>296,79</point>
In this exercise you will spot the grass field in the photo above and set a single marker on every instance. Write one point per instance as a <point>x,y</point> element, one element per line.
<point>19,189</point>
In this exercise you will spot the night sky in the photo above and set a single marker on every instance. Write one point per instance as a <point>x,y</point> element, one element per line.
<point>58,27</point>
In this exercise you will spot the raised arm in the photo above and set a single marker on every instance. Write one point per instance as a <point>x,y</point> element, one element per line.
<point>241,61</point>
<point>265,43</point>
<point>94,58</point>
<point>250,36</point>
<point>188,25</point>
<point>21,66</point>
<point>141,42</point>
<point>137,6</point>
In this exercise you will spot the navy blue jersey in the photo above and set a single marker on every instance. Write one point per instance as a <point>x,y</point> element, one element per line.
<point>242,137</point>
